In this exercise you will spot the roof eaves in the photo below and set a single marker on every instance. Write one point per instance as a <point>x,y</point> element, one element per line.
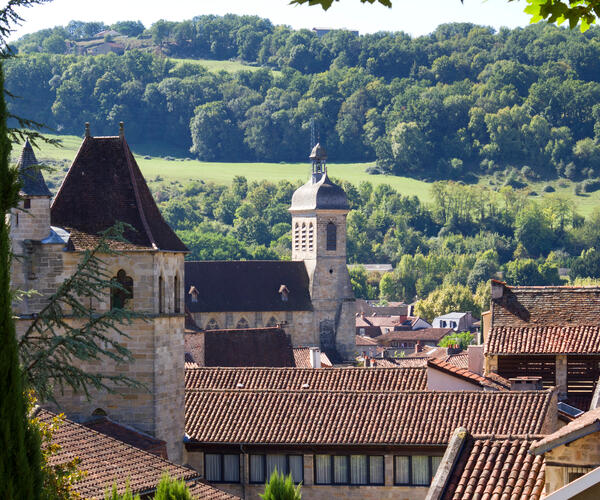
<point>566,439</point>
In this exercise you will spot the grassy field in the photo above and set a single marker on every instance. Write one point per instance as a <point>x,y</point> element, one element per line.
<point>183,169</point>
<point>215,66</point>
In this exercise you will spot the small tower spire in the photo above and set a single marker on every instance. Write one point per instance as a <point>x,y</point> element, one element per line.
<point>318,157</point>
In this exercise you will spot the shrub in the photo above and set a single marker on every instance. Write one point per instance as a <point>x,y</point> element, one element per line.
<point>548,189</point>
<point>280,487</point>
<point>590,185</point>
<point>172,489</point>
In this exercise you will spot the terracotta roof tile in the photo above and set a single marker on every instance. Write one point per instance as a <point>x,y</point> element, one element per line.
<point>103,186</point>
<point>302,358</point>
<point>200,490</point>
<point>361,340</point>
<point>424,334</point>
<point>496,468</point>
<point>461,360</point>
<point>580,339</point>
<point>465,374</point>
<point>293,417</point>
<point>107,460</point>
<point>334,379</point>
<point>407,362</point>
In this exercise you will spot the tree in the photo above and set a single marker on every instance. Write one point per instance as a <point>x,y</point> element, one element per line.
<point>172,489</point>
<point>446,299</point>
<point>113,493</point>
<point>461,339</point>
<point>281,487</point>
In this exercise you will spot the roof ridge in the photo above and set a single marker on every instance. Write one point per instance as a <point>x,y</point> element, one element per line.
<point>293,368</point>
<point>136,193</point>
<point>379,392</point>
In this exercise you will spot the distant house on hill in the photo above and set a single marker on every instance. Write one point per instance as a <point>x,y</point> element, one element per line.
<point>458,321</point>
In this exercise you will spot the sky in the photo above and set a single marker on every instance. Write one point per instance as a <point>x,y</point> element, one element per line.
<point>416,17</point>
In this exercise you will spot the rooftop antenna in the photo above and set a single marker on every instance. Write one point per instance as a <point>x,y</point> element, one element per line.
<point>313,142</point>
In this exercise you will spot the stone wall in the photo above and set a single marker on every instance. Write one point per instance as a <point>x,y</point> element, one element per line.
<point>311,491</point>
<point>582,453</point>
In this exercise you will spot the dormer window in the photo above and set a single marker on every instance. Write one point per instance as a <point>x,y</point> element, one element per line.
<point>193,293</point>
<point>331,236</point>
<point>27,203</point>
<point>284,292</point>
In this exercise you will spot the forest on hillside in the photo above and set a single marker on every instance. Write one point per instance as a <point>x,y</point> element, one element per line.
<point>461,102</point>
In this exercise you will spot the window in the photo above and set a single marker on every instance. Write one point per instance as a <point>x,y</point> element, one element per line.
<point>415,470</point>
<point>349,469</point>
<point>222,468</point>
<point>303,237</point>
<point>212,324</point>
<point>242,323</point>
<point>296,236</point>
<point>161,295</point>
<point>331,236</point>
<point>262,466</point>
<point>272,322</point>
<point>26,203</point>
<point>442,324</point>
<point>176,295</point>
<point>361,331</point>
<point>123,290</point>
<point>311,234</point>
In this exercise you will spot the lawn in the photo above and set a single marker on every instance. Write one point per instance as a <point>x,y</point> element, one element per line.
<point>215,66</point>
<point>182,169</point>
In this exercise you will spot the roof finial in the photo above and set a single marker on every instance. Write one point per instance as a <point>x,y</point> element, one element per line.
<point>87,129</point>
<point>121,130</point>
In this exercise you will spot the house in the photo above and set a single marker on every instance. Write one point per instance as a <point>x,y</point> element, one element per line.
<point>105,185</point>
<point>345,433</point>
<point>488,466</point>
<point>372,308</point>
<point>549,332</point>
<point>571,453</point>
<point>458,321</point>
<point>444,376</point>
<point>109,461</point>
<point>377,324</point>
<point>310,296</point>
<point>367,346</point>
<point>409,341</point>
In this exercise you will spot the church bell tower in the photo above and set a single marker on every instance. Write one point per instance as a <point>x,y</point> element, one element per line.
<point>319,209</point>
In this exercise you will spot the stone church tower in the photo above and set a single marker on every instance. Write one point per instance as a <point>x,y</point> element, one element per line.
<point>319,209</point>
<point>103,186</point>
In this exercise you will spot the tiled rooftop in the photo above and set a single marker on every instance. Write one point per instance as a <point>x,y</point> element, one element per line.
<point>307,417</point>
<point>424,334</point>
<point>295,379</point>
<point>302,358</point>
<point>107,460</point>
<point>496,468</point>
<point>587,419</point>
<point>544,339</point>
<point>497,384</point>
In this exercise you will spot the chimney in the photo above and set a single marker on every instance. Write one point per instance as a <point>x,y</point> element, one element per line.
<point>315,357</point>
<point>475,359</point>
<point>418,346</point>
<point>454,349</point>
<point>121,130</point>
<point>525,383</point>
<point>87,129</point>
<point>498,288</point>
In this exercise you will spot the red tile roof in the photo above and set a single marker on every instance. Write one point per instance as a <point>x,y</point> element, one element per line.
<point>424,334</point>
<point>406,362</point>
<point>103,186</point>
<point>494,467</point>
<point>461,360</point>
<point>361,340</point>
<point>463,373</point>
<point>544,339</point>
<point>309,417</point>
<point>302,358</point>
<point>200,490</point>
<point>294,379</point>
<point>107,460</point>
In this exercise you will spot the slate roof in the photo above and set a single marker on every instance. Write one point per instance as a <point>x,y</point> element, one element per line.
<point>30,175</point>
<point>295,379</point>
<point>499,383</point>
<point>107,460</point>
<point>495,467</point>
<point>573,430</point>
<point>302,358</point>
<point>241,347</point>
<point>103,186</point>
<point>247,286</point>
<point>309,417</point>
<point>319,193</point>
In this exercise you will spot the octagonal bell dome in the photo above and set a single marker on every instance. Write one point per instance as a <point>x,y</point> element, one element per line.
<point>319,193</point>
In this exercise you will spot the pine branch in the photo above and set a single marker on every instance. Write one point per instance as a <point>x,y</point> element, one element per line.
<point>68,332</point>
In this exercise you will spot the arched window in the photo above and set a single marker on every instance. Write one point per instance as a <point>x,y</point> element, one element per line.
<point>122,292</point>
<point>311,237</point>
<point>161,295</point>
<point>212,324</point>
<point>303,236</point>
<point>242,323</point>
<point>176,295</point>
<point>296,236</point>
<point>331,236</point>
<point>272,321</point>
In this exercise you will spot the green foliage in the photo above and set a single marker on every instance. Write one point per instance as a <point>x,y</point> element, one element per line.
<point>528,272</point>
<point>281,487</point>
<point>20,461</point>
<point>172,489</point>
<point>559,11</point>
<point>113,493</point>
<point>461,339</point>
<point>447,299</point>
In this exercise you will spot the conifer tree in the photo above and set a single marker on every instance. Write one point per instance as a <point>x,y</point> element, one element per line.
<point>20,459</point>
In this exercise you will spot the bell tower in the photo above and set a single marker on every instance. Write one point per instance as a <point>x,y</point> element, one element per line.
<point>319,209</point>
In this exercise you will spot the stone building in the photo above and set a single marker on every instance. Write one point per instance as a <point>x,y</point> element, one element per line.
<point>310,296</point>
<point>104,185</point>
<point>549,332</point>
<point>350,433</point>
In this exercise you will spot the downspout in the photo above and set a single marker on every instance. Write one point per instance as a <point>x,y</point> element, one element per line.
<point>243,477</point>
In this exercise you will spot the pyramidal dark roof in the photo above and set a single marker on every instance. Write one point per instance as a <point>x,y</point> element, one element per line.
<point>104,186</point>
<point>30,175</point>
